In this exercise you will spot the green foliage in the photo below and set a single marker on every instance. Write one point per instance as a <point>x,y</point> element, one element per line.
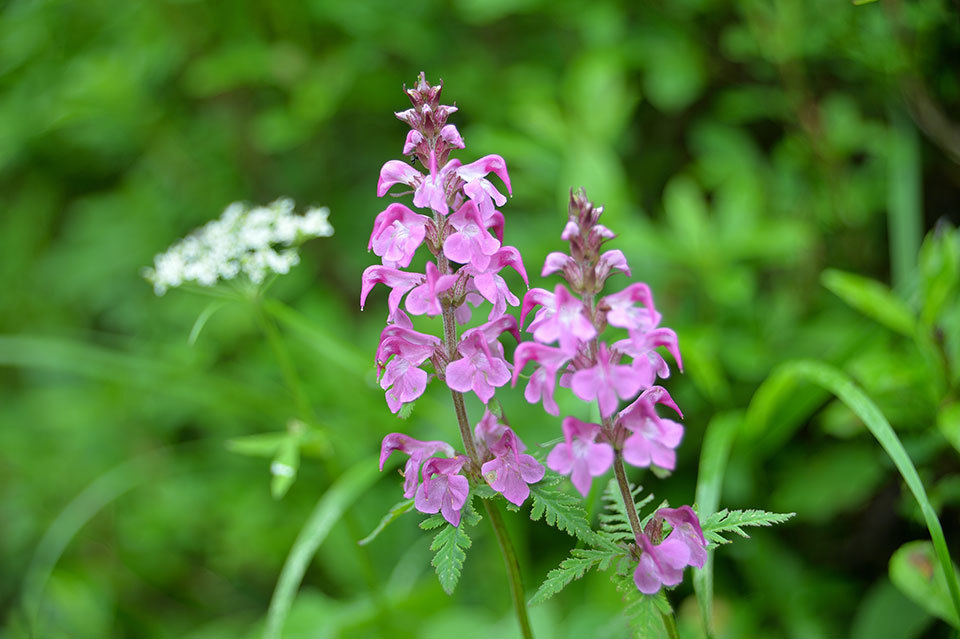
<point>450,545</point>
<point>733,521</point>
<point>614,522</point>
<point>573,567</point>
<point>560,510</point>
<point>392,515</point>
<point>916,571</point>
<point>872,298</point>
<point>646,614</point>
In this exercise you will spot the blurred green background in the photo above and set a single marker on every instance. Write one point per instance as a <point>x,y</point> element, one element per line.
<point>740,150</point>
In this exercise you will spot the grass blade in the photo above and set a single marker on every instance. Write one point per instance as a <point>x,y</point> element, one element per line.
<point>840,385</point>
<point>340,496</point>
<point>717,441</point>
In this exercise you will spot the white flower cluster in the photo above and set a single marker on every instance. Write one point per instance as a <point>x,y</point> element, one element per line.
<point>252,241</point>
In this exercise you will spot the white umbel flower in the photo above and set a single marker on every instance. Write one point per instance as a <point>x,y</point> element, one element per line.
<point>254,242</point>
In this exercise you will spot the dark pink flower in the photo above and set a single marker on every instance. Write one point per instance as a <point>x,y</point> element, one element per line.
<point>424,300</point>
<point>544,380</point>
<point>663,564</point>
<point>653,439</point>
<point>418,452</point>
<point>568,323</point>
<point>399,282</point>
<point>579,455</point>
<point>510,472</point>
<point>489,430</point>
<point>397,232</point>
<point>605,381</point>
<point>444,489</point>
<point>471,243</point>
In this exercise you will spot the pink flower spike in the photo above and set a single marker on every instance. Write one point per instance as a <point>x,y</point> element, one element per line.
<point>399,282</point>
<point>471,243</point>
<point>397,172</point>
<point>510,472</point>
<point>579,455</point>
<point>417,450</point>
<point>414,138</point>
<point>478,369</point>
<point>568,324</point>
<point>397,232</point>
<point>543,382</point>
<point>555,262</point>
<point>444,489</point>
<point>653,439</point>
<point>605,381</point>
<point>660,565</point>
<point>451,136</point>
<point>423,299</point>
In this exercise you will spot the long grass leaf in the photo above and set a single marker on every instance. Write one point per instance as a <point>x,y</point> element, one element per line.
<point>327,512</point>
<point>717,441</point>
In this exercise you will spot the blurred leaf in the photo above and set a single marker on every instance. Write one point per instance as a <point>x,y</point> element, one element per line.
<point>840,385</point>
<point>885,612</point>
<point>202,319</point>
<point>948,421</point>
<point>914,569</point>
<point>872,298</point>
<point>283,468</point>
<point>392,515</point>
<point>939,269</point>
<point>335,501</point>
<point>261,445</point>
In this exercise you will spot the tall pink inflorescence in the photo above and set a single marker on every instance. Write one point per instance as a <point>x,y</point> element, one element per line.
<point>567,327</point>
<point>460,226</point>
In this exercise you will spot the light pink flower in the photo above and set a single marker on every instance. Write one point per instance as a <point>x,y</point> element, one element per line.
<point>471,243</point>
<point>568,324</point>
<point>489,284</point>
<point>624,312</point>
<point>544,380</point>
<point>424,300</point>
<point>653,439</point>
<point>444,489</point>
<point>481,190</point>
<point>537,297</point>
<point>397,232</point>
<point>605,381</point>
<point>401,377</point>
<point>418,452</point>
<point>489,430</point>
<point>555,262</point>
<point>579,455</point>
<point>510,472</point>
<point>480,368</point>
<point>397,172</point>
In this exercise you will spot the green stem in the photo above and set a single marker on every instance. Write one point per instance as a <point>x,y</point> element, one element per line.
<point>671,625</point>
<point>626,495</point>
<point>496,519</point>
<point>513,567</point>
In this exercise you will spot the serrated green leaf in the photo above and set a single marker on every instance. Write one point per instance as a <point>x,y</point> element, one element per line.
<point>392,515</point>
<point>733,521</point>
<point>450,545</point>
<point>433,521</point>
<point>872,298</point>
<point>562,511</point>
<point>573,567</point>
<point>644,613</point>
<point>914,569</point>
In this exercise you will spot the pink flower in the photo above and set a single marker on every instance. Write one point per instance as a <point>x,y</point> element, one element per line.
<point>423,299</point>
<point>605,381</point>
<point>537,297</point>
<point>479,369</point>
<point>489,430</point>
<point>471,243</point>
<point>399,282</point>
<point>397,232</point>
<point>544,380</point>
<point>568,324</point>
<point>579,455</point>
<point>641,346</point>
<point>432,192</point>
<point>397,172</point>
<point>443,489</point>
<point>481,190</point>
<point>402,379</point>
<point>663,564</point>
<point>613,260</point>
<point>417,450</point>
<point>555,262</point>
<point>491,285</point>
<point>625,314</point>
<point>653,440</point>
<point>510,472</point>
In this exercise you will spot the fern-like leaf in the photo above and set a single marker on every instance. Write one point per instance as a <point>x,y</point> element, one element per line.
<point>573,567</point>
<point>561,511</point>
<point>450,545</point>
<point>644,613</point>
<point>733,521</point>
